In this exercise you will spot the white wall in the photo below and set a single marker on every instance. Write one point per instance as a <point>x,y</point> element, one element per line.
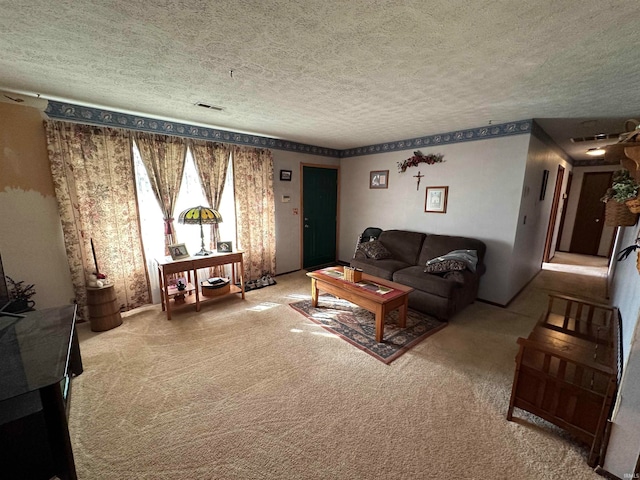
<point>533,219</point>
<point>485,180</point>
<point>288,225</point>
<point>624,444</point>
<point>572,208</point>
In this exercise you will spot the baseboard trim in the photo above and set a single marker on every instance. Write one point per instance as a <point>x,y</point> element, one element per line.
<point>601,471</point>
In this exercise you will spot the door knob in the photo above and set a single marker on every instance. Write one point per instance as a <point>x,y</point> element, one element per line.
<point>597,220</point>
<point>306,226</point>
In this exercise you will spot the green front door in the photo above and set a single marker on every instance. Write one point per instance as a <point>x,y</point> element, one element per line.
<point>319,215</point>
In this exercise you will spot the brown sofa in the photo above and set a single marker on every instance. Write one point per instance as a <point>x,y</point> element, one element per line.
<point>438,294</point>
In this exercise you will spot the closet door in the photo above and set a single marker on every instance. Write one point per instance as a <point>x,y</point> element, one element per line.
<point>587,229</point>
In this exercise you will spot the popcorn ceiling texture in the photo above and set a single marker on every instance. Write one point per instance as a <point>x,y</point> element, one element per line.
<point>329,73</point>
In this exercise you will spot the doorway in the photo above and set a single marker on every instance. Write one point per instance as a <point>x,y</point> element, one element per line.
<point>554,214</point>
<point>320,215</point>
<point>589,222</point>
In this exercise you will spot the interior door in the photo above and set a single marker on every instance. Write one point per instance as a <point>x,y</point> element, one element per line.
<point>589,222</point>
<point>320,215</point>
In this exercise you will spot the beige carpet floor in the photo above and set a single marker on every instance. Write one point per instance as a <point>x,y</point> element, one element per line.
<point>254,390</point>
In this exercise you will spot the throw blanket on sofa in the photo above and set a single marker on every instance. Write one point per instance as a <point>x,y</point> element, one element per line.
<point>468,258</point>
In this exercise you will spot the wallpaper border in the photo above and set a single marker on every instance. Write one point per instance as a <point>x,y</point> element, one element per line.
<point>470,135</point>
<point>97,116</point>
<point>108,118</point>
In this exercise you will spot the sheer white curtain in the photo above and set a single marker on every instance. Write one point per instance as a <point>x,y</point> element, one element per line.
<point>227,228</point>
<point>151,223</point>
<point>190,195</point>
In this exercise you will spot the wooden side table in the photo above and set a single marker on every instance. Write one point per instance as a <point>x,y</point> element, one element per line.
<point>167,266</point>
<point>104,313</point>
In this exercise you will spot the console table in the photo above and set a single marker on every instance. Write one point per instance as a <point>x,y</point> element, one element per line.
<point>167,267</point>
<point>38,355</point>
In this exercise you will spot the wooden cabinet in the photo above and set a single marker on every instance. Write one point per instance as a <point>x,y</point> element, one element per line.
<point>568,370</point>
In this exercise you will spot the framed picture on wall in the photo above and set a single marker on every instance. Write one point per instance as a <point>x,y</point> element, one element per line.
<point>379,179</point>
<point>285,175</point>
<point>436,199</point>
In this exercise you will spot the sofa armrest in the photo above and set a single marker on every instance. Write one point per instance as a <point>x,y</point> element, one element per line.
<point>358,255</point>
<point>480,270</point>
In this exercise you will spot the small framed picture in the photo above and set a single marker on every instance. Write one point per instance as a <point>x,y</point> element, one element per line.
<point>285,175</point>
<point>225,247</point>
<point>175,283</point>
<point>379,179</point>
<point>436,199</point>
<point>178,251</point>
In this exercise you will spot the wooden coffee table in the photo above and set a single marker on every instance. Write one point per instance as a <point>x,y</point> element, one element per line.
<point>378,303</point>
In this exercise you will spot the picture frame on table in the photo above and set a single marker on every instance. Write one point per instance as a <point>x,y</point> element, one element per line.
<point>225,247</point>
<point>174,282</point>
<point>285,175</point>
<point>436,199</point>
<point>178,251</point>
<point>379,179</point>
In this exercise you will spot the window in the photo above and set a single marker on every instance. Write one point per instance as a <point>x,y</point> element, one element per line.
<point>190,195</point>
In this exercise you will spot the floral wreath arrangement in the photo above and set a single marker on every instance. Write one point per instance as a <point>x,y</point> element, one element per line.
<point>419,157</point>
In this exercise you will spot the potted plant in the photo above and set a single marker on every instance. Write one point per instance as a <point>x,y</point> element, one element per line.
<point>623,189</point>
<point>20,296</point>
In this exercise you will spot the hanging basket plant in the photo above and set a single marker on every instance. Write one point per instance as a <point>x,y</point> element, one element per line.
<point>418,158</point>
<point>618,215</point>
<point>633,204</point>
<point>624,189</point>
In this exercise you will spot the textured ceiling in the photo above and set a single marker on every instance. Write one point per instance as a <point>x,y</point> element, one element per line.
<point>330,73</point>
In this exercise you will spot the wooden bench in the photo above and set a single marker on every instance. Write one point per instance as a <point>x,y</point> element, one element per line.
<point>568,370</point>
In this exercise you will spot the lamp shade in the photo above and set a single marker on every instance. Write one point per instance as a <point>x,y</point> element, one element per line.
<point>199,215</point>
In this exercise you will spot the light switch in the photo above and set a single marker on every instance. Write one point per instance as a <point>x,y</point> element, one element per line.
<point>286,198</point>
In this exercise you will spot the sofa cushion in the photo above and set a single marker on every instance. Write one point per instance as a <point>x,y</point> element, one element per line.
<point>438,265</point>
<point>379,268</point>
<point>375,250</point>
<point>455,260</point>
<point>455,276</point>
<point>403,245</point>
<point>439,245</point>
<point>434,284</point>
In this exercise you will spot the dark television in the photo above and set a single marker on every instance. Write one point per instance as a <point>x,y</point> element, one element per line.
<point>4,292</point>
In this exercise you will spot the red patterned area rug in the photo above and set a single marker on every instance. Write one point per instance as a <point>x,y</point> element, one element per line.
<point>357,326</point>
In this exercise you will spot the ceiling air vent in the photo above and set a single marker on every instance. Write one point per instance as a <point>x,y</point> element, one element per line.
<point>603,136</point>
<point>210,107</point>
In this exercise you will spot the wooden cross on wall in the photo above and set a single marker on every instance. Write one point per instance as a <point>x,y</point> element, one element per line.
<point>419,177</point>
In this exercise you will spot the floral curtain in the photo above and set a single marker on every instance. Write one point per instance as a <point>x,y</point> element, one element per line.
<point>212,160</point>
<point>255,210</point>
<point>93,176</point>
<point>163,157</point>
